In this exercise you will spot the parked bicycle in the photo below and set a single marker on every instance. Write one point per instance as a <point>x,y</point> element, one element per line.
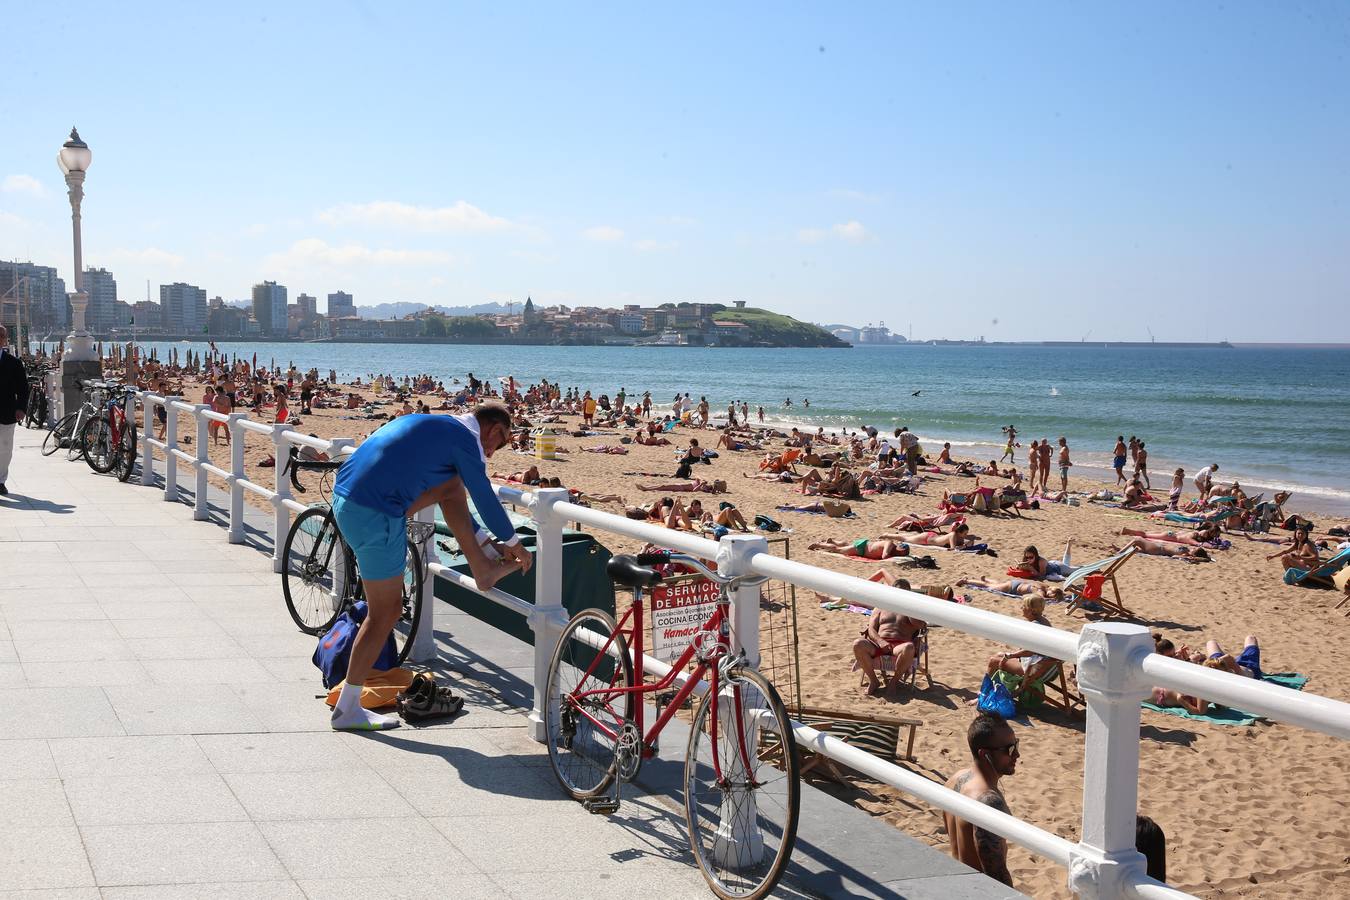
<point>68,432</point>
<point>37,397</point>
<point>320,577</point>
<point>742,791</point>
<point>109,438</point>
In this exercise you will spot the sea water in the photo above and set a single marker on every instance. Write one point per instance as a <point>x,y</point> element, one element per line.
<point>1269,416</point>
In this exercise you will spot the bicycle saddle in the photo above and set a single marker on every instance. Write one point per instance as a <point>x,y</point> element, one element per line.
<point>624,569</point>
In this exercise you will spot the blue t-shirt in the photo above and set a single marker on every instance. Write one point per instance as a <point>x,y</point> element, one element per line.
<point>401,460</point>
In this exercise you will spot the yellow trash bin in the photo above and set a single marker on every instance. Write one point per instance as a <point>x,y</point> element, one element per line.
<point>545,446</point>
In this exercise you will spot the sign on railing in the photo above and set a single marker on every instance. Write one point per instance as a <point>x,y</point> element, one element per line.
<point>679,607</point>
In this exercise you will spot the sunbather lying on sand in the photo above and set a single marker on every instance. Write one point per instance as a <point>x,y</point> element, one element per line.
<point>957,538</point>
<point>1165,696</point>
<point>840,483</point>
<point>528,476</point>
<point>1016,586</point>
<point>863,548</point>
<point>835,509</point>
<point>698,484</point>
<point>729,442</point>
<point>1205,534</point>
<point>909,522</point>
<point>1176,551</point>
<point>1247,663</point>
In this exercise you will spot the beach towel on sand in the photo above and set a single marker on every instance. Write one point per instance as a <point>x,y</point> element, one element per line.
<point>1224,715</point>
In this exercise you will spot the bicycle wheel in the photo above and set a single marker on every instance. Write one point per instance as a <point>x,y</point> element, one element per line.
<point>97,440</point>
<point>75,446</point>
<point>405,629</point>
<point>743,825</point>
<point>59,434</point>
<point>125,462</point>
<point>581,752</point>
<point>314,552</point>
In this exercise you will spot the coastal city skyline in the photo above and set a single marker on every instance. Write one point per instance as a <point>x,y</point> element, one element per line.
<point>1025,176</point>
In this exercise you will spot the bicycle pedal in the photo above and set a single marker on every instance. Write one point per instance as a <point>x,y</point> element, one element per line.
<point>601,806</point>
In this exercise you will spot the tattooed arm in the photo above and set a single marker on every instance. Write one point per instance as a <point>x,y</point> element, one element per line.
<point>992,848</point>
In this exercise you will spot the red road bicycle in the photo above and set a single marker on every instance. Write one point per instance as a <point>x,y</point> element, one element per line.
<point>741,779</point>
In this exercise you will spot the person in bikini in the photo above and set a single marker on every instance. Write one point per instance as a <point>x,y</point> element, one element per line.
<point>1159,548</point>
<point>909,522</point>
<point>957,538</point>
<point>1045,464</point>
<point>717,486</point>
<point>1203,536</point>
<point>862,548</point>
<point>1025,586</point>
<point>887,635</point>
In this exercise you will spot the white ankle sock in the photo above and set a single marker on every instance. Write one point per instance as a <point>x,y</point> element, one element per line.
<point>350,715</point>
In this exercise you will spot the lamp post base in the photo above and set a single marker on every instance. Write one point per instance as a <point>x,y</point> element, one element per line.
<point>73,371</point>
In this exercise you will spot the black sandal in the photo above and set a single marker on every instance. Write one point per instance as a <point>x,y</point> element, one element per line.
<point>425,700</point>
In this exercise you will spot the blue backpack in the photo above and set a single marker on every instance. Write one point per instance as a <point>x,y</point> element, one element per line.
<point>335,648</point>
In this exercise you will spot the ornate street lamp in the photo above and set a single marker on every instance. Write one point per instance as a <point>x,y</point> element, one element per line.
<point>80,361</point>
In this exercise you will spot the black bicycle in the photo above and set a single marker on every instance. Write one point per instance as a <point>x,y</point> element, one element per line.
<point>320,577</point>
<point>37,398</point>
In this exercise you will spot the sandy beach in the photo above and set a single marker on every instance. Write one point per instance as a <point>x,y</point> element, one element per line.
<point>1248,811</point>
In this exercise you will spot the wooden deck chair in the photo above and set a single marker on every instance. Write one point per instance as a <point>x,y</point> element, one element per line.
<point>878,735</point>
<point>1081,587</point>
<point>916,668</point>
<point>1321,575</point>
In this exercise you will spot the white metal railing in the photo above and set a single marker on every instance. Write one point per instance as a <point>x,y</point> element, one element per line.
<point>1116,664</point>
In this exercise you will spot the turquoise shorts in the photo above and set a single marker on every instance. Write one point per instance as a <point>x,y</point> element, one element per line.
<point>379,540</point>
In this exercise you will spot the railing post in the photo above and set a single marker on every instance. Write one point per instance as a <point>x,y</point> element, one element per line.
<point>424,647</point>
<point>549,617</point>
<point>281,514</point>
<point>55,401</point>
<point>1105,860</point>
<point>236,475</point>
<point>170,445</point>
<point>148,402</point>
<point>733,558</point>
<point>200,511</point>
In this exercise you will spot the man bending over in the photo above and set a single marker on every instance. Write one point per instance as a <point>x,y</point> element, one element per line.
<point>406,466</point>
<point>993,748</point>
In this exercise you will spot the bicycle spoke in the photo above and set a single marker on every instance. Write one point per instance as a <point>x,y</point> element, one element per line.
<point>742,818</point>
<point>582,712</point>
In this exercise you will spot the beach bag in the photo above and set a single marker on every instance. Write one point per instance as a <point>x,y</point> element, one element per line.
<point>764,523</point>
<point>1032,697</point>
<point>335,648</point>
<point>995,698</point>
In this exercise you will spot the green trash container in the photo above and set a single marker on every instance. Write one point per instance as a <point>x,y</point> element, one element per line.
<point>584,582</point>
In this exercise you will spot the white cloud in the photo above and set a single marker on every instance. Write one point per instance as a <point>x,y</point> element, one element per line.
<point>461,218</point>
<point>603,233</point>
<point>648,245</point>
<point>811,235</point>
<point>150,256</point>
<point>312,251</point>
<point>852,230</point>
<point>9,220</point>
<point>22,184</point>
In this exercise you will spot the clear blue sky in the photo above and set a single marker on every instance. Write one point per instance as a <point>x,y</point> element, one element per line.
<point>1012,170</point>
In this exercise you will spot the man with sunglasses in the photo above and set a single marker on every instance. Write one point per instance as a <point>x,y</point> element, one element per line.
<point>993,749</point>
<point>411,463</point>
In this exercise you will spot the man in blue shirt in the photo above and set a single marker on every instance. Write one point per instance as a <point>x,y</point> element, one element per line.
<point>405,466</point>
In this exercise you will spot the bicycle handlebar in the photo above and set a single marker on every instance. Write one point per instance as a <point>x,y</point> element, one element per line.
<point>294,464</point>
<point>663,557</point>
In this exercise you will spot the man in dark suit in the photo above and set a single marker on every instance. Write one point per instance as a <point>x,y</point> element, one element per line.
<point>13,403</point>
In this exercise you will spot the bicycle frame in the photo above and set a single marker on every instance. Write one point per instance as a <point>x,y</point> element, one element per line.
<point>718,622</point>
